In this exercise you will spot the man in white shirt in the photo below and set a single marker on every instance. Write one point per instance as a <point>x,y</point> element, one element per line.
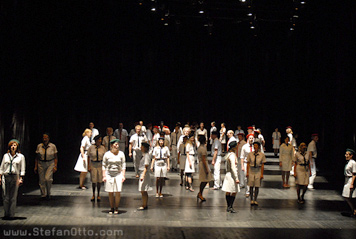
<point>135,148</point>
<point>109,136</point>
<point>122,135</point>
<point>201,131</point>
<point>246,149</point>
<point>216,162</point>
<point>230,135</point>
<point>175,135</point>
<point>239,131</point>
<point>94,132</point>
<point>212,129</point>
<point>276,141</point>
<point>240,144</point>
<point>143,128</point>
<point>149,134</point>
<point>313,154</point>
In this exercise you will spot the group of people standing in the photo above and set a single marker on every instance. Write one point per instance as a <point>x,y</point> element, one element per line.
<point>159,150</point>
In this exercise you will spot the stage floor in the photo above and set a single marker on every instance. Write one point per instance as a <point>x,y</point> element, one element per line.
<point>178,215</point>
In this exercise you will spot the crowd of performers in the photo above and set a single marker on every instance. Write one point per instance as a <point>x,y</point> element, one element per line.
<point>158,150</point>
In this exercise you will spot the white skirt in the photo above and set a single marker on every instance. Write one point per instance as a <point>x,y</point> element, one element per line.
<point>187,168</point>
<point>276,144</point>
<point>346,191</point>
<point>113,183</point>
<point>229,184</point>
<point>160,168</point>
<point>145,184</point>
<point>82,164</point>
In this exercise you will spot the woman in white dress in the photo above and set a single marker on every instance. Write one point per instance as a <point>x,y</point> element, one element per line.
<point>182,157</point>
<point>12,171</point>
<point>230,185</point>
<point>190,161</point>
<point>114,168</point>
<point>286,153</point>
<point>144,184</point>
<point>349,192</point>
<point>204,170</point>
<point>301,170</point>
<point>223,136</point>
<point>82,162</point>
<point>160,164</point>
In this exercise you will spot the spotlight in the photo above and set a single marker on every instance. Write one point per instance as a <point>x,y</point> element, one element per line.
<point>302,2</point>
<point>201,11</point>
<point>242,0</point>
<point>250,14</point>
<point>252,27</point>
<point>291,29</point>
<point>153,9</point>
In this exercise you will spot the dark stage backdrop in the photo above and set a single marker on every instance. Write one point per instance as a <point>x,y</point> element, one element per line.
<point>66,63</point>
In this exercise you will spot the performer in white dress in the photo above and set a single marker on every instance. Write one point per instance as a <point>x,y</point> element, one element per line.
<point>349,192</point>
<point>301,171</point>
<point>230,185</point>
<point>182,157</point>
<point>114,168</point>
<point>144,184</point>
<point>255,167</point>
<point>82,162</point>
<point>286,154</point>
<point>160,164</point>
<point>12,171</point>
<point>190,161</point>
<point>205,175</point>
<point>276,141</point>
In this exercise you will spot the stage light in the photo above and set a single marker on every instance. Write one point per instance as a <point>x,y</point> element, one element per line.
<point>252,27</point>
<point>242,0</point>
<point>153,9</point>
<point>295,16</point>
<point>250,14</point>
<point>302,2</point>
<point>291,29</point>
<point>201,11</point>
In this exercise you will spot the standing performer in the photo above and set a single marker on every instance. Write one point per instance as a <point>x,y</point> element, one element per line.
<point>223,136</point>
<point>285,160</point>
<point>144,184</point>
<point>82,162</point>
<point>301,170</point>
<point>94,131</point>
<point>114,168</point>
<point>173,147</point>
<point>135,147</point>
<point>240,144</point>
<point>216,162</point>
<point>155,138</point>
<point>182,157</point>
<point>246,149</point>
<point>122,135</point>
<point>12,171</point>
<point>276,141</point>
<point>149,134</point>
<point>239,131</point>
<point>109,136</point>
<point>160,161</point>
<point>201,131</point>
<point>204,170</point>
<point>190,161</point>
<point>230,135</point>
<point>231,178</point>
<point>212,129</point>
<point>95,158</point>
<point>313,154</point>
<point>349,192</point>
<point>45,165</point>
<point>255,167</point>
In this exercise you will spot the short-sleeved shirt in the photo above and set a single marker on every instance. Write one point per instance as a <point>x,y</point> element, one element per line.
<point>92,152</point>
<point>300,159</point>
<point>114,163</point>
<point>161,153</point>
<point>256,159</point>
<point>201,132</point>
<point>175,137</point>
<point>182,149</point>
<point>136,140</point>
<point>189,149</point>
<point>145,160</point>
<point>246,149</point>
<point>123,137</point>
<point>13,164</point>
<point>106,141</point>
<point>276,135</point>
<point>216,145</point>
<point>312,148</point>
<point>50,152</point>
<point>85,143</point>
<point>94,132</point>
<point>202,151</point>
<point>231,140</point>
<point>350,168</point>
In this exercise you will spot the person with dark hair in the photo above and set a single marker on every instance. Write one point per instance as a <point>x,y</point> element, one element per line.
<point>95,158</point>
<point>45,165</point>
<point>212,129</point>
<point>313,154</point>
<point>255,167</point>
<point>240,144</point>
<point>12,171</point>
<point>276,141</point>
<point>231,180</point>
<point>182,157</point>
<point>135,147</point>
<point>82,162</point>
<point>223,136</point>
<point>94,131</point>
<point>144,183</point>
<point>216,150</point>
<point>286,154</point>
<point>160,164</point>
<point>201,131</point>
<point>175,135</point>
<point>122,135</point>
<point>245,150</point>
<point>301,170</point>
<point>349,192</point>
<point>109,136</point>
<point>114,168</point>
<point>190,161</point>
<point>204,170</point>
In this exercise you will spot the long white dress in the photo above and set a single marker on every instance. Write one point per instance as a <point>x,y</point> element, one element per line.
<point>189,149</point>
<point>82,163</point>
